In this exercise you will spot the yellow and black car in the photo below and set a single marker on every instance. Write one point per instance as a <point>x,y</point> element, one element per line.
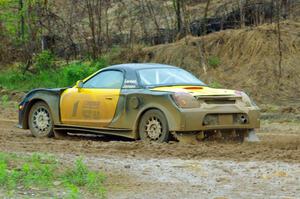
<point>140,101</point>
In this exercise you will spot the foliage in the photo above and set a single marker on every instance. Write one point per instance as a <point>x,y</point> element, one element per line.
<point>41,171</point>
<point>10,17</point>
<point>44,60</point>
<point>63,76</point>
<point>34,172</point>
<point>80,176</point>
<point>214,61</point>
<point>215,84</point>
<point>11,13</point>
<point>4,100</point>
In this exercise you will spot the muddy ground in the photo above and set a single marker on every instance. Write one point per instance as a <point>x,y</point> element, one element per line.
<point>214,169</point>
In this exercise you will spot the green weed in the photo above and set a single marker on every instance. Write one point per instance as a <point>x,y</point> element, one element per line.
<point>80,175</point>
<point>4,100</point>
<point>73,191</point>
<point>44,60</point>
<point>41,171</point>
<point>215,84</point>
<point>214,61</point>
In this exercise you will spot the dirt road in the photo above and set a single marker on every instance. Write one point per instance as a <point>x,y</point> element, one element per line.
<point>275,146</point>
<point>268,169</point>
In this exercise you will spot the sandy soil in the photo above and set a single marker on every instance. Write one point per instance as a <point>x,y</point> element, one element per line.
<point>268,169</point>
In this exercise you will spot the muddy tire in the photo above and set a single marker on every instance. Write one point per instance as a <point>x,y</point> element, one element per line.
<point>40,120</point>
<point>153,126</point>
<point>240,135</point>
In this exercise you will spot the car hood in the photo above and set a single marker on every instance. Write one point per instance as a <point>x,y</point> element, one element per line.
<point>197,90</point>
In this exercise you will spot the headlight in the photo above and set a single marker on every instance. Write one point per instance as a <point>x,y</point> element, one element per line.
<point>185,100</point>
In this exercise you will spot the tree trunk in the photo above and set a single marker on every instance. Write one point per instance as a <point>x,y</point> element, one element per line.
<point>108,40</point>
<point>177,6</point>
<point>22,21</point>
<point>279,40</point>
<point>205,17</point>
<point>151,12</point>
<point>92,27</point>
<point>242,15</point>
<point>143,20</point>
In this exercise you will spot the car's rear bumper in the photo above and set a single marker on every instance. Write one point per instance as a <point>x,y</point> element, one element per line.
<point>214,117</point>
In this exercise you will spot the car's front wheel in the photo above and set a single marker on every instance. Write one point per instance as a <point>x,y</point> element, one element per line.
<point>153,126</point>
<point>40,120</point>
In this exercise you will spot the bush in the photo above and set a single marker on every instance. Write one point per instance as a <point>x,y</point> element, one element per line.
<point>215,84</point>
<point>214,61</point>
<point>75,72</point>
<point>65,76</point>
<point>44,60</point>
<point>4,100</point>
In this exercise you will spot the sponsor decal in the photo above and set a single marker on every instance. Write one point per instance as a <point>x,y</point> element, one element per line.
<point>130,83</point>
<point>90,110</point>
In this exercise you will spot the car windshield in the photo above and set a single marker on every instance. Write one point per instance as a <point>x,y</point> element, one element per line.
<point>167,77</point>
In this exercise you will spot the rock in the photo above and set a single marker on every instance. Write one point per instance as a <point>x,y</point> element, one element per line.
<point>56,183</point>
<point>127,166</point>
<point>280,174</point>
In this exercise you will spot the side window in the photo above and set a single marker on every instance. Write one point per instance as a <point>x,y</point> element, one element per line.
<point>107,79</point>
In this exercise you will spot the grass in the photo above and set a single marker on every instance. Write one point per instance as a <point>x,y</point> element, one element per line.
<point>215,84</point>
<point>214,61</point>
<point>4,100</point>
<point>40,172</point>
<point>52,77</point>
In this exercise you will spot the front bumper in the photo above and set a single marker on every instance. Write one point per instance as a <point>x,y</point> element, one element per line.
<point>224,117</point>
<point>22,118</point>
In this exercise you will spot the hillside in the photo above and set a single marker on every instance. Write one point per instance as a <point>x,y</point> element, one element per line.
<point>248,60</point>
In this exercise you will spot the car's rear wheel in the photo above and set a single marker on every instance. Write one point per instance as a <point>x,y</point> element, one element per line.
<point>40,120</point>
<point>153,126</point>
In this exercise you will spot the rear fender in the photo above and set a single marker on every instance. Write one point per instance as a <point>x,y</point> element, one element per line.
<point>50,96</point>
<point>133,105</point>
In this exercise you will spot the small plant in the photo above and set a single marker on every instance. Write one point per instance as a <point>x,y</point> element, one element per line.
<point>42,171</point>
<point>44,60</point>
<point>4,100</point>
<point>215,84</point>
<point>214,61</point>
<point>80,175</point>
<point>73,191</point>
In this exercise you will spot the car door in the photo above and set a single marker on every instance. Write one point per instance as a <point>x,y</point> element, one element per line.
<point>94,104</point>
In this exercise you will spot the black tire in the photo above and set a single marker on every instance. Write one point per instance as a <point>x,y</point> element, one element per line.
<point>40,120</point>
<point>241,134</point>
<point>153,126</point>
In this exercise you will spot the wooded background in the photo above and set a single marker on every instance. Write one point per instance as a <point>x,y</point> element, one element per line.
<point>75,29</point>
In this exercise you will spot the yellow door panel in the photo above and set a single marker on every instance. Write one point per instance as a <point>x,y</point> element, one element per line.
<point>88,106</point>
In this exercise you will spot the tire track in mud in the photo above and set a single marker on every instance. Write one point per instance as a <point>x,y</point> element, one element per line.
<point>275,146</point>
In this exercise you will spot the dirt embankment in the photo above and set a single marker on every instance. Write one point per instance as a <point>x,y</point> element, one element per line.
<point>248,59</point>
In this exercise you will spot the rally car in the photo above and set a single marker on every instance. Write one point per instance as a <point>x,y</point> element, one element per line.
<point>141,101</point>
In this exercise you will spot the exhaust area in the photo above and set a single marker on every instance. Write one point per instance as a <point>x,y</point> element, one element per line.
<point>252,137</point>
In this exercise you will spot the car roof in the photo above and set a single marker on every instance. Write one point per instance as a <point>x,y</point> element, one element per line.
<point>136,66</point>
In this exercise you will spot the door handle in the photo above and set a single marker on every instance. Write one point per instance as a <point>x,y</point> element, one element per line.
<point>108,98</point>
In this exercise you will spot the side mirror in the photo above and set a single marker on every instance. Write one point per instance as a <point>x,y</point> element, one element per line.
<point>79,84</point>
